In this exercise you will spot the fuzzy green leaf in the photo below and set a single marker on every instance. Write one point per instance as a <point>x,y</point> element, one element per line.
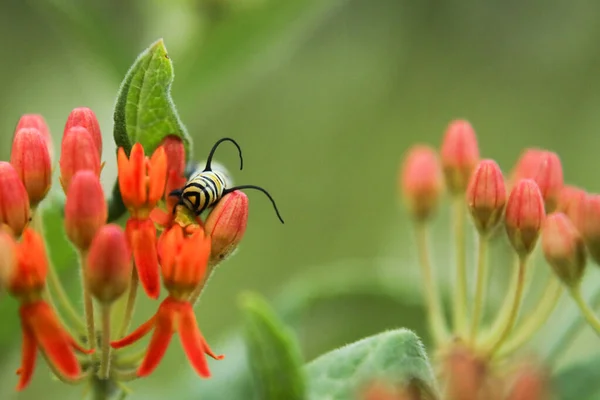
<point>396,357</point>
<point>272,348</point>
<point>144,111</point>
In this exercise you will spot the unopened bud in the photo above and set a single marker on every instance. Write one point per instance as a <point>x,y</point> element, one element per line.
<point>524,216</point>
<point>545,168</point>
<point>38,122</point>
<point>85,209</point>
<point>573,203</point>
<point>109,264</point>
<point>591,227</point>
<point>226,225</point>
<point>460,155</point>
<point>530,383</point>
<point>486,196</point>
<point>527,165</point>
<point>8,258</point>
<point>14,203</point>
<point>465,374</point>
<point>563,248</point>
<point>421,181</point>
<point>78,153</point>
<point>31,159</point>
<point>29,274</point>
<point>85,118</point>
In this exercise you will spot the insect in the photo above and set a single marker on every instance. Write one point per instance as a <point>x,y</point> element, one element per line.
<point>205,188</point>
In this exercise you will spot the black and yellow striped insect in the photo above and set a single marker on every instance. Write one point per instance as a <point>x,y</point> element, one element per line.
<point>205,188</point>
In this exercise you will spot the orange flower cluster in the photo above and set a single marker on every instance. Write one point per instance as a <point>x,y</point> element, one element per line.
<point>113,259</point>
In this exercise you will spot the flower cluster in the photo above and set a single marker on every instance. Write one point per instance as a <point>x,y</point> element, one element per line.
<point>530,205</point>
<point>160,239</point>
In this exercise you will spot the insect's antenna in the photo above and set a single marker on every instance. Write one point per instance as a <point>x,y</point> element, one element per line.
<point>257,188</point>
<point>214,148</point>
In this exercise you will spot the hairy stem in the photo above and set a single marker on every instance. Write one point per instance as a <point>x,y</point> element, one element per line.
<point>587,312</point>
<point>539,315</point>
<point>480,289</point>
<point>507,325</point>
<point>460,287</point>
<point>106,349</point>
<point>88,305</point>
<point>130,306</point>
<point>437,324</point>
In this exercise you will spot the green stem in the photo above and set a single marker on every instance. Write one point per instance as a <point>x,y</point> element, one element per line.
<point>130,360</point>
<point>54,282</point>
<point>437,324</point>
<point>460,287</point>
<point>88,305</point>
<point>507,325</point>
<point>586,310</point>
<point>130,306</point>
<point>105,355</point>
<point>482,278</point>
<point>539,315</point>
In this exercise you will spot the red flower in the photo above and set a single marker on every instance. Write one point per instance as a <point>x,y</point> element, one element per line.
<point>142,185</point>
<point>78,152</point>
<point>14,202</point>
<point>84,117</point>
<point>38,122</point>
<point>226,225</point>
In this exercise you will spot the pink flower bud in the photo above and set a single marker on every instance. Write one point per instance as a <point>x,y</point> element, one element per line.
<point>524,216</point>
<point>421,181</point>
<point>38,122</point>
<point>226,225</point>
<point>573,203</point>
<point>460,155</point>
<point>527,165</point>
<point>563,248</point>
<point>531,383</point>
<point>109,264</point>
<point>85,118</point>
<point>591,227</point>
<point>545,168</point>
<point>31,159</point>
<point>85,209</point>
<point>78,153</point>
<point>486,196</point>
<point>14,203</point>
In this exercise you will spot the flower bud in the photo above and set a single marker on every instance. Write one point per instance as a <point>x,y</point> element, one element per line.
<point>109,264</point>
<point>421,181</point>
<point>591,227</point>
<point>527,165</point>
<point>545,168</point>
<point>175,153</point>
<point>29,274</point>
<point>563,248</point>
<point>38,122</point>
<point>466,374</point>
<point>8,258</point>
<point>78,153</point>
<point>85,209</point>
<point>31,159</point>
<point>573,203</point>
<point>14,203</point>
<point>226,225</point>
<point>85,118</point>
<point>531,383</point>
<point>486,196</point>
<point>460,155</point>
<point>524,216</point>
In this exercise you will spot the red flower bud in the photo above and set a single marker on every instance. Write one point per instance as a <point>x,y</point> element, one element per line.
<point>29,275</point>
<point>524,216</point>
<point>85,118</point>
<point>175,153</point>
<point>545,168</point>
<point>85,209</point>
<point>14,203</point>
<point>573,203</point>
<point>78,153</point>
<point>591,227</point>
<point>563,248</point>
<point>38,122</point>
<point>226,225</point>
<point>460,155</point>
<point>31,159</point>
<point>109,264</point>
<point>466,374</point>
<point>421,181</point>
<point>486,196</point>
<point>527,165</point>
<point>530,383</point>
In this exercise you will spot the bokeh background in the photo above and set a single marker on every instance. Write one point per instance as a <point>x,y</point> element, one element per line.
<point>325,97</point>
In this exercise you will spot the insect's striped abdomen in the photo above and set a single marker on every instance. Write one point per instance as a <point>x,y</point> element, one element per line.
<point>203,190</point>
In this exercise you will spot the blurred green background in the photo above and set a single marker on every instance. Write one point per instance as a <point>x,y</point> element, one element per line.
<point>324,96</point>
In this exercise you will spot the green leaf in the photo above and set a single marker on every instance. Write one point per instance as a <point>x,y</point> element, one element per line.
<point>580,381</point>
<point>144,111</point>
<point>275,358</point>
<point>396,357</point>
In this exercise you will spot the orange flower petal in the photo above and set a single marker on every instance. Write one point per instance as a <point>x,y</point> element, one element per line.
<point>157,175</point>
<point>160,338</point>
<point>125,182</point>
<point>170,245</point>
<point>137,163</point>
<point>51,337</point>
<point>142,239</point>
<point>134,336</point>
<point>193,342</point>
<point>28,356</point>
<point>160,217</point>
